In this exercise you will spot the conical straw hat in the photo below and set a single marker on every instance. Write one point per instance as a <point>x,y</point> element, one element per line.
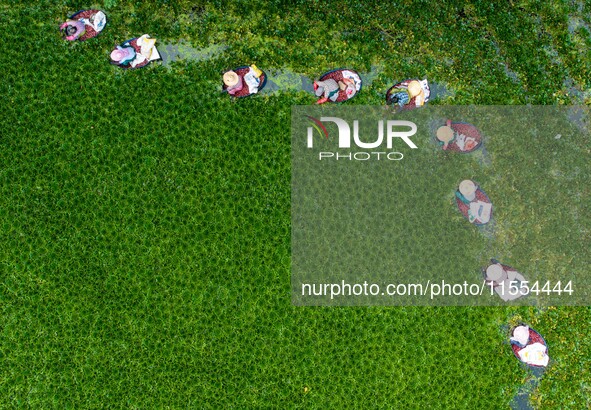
<point>494,272</point>
<point>230,78</point>
<point>521,335</point>
<point>445,134</point>
<point>468,188</point>
<point>414,88</point>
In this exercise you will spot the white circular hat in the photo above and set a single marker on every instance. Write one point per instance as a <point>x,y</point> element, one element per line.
<point>445,134</point>
<point>468,189</point>
<point>414,88</point>
<point>495,272</point>
<point>230,78</point>
<point>521,335</point>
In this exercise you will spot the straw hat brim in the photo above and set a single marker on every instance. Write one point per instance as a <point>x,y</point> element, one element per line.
<point>494,272</point>
<point>445,134</point>
<point>467,187</point>
<point>230,78</point>
<point>414,88</point>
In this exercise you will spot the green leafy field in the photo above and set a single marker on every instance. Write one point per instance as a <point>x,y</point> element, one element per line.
<point>145,216</point>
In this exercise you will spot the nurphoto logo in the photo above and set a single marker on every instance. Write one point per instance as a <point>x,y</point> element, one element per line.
<point>391,129</point>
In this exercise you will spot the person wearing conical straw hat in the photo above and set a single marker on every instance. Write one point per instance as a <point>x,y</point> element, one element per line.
<point>233,81</point>
<point>408,94</point>
<point>135,53</point>
<point>445,134</point>
<point>507,282</point>
<point>529,346</point>
<point>520,336</point>
<point>477,210</point>
<point>467,190</point>
<point>243,81</point>
<point>462,137</point>
<point>415,90</point>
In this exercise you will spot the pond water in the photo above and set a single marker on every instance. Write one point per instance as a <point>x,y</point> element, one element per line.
<point>521,399</point>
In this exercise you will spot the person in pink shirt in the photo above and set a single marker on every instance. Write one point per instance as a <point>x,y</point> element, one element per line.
<point>233,82</point>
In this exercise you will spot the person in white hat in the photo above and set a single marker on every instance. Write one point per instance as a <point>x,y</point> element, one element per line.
<point>535,354</point>
<point>520,336</point>
<point>445,135</point>
<point>409,94</point>
<point>233,82</point>
<point>467,191</point>
<point>136,54</point>
<point>507,283</point>
<point>479,212</point>
<point>415,90</point>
